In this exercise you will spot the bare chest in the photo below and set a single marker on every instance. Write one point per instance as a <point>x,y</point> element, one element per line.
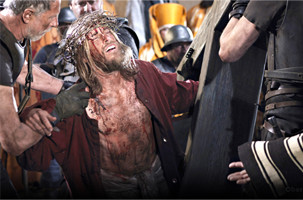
<point>125,129</point>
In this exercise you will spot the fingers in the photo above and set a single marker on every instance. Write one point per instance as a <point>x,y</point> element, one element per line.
<point>39,121</point>
<point>238,164</point>
<point>234,176</point>
<point>244,174</point>
<point>240,177</point>
<point>37,128</point>
<point>46,121</point>
<point>243,181</point>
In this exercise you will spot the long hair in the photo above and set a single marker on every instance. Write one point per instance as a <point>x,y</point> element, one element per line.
<point>89,63</point>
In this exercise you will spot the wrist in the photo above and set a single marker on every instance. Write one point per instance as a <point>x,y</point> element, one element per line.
<point>65,85</point>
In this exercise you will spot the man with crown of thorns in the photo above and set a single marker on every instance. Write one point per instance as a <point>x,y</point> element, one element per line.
<point>123,145</point>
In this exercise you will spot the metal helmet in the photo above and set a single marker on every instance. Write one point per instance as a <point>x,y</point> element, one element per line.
<point>128,36</point>
<point>175,34</point>
<point>66,15</point>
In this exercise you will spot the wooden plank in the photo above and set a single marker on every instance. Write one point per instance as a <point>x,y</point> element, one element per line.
<point>206,29</point>
<point>223,118</point>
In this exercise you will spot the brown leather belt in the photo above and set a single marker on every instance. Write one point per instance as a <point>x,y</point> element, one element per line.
<point>283,91</point>
<point>283,104</point>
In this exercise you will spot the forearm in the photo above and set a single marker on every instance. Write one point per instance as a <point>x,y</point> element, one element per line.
<point>17,141</point>
<point>42,81</point>
<point>225,40</point>
<point>15,137</point>
<point>236,39</point>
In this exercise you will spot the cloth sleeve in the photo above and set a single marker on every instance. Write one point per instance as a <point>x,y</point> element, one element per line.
<point>181,94</point>
<point>263,13</point>
<point>275,167</point>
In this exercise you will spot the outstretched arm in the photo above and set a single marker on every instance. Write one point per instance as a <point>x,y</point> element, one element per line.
<point>42,81</point>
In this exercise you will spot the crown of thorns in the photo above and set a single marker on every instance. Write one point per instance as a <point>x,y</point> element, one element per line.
<point>77,32</point>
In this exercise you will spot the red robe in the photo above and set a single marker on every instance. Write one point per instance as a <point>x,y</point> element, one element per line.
<point>76,146</point>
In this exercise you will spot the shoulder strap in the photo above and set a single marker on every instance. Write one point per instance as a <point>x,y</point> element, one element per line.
<point>271,52</point>
<point>28,80</point>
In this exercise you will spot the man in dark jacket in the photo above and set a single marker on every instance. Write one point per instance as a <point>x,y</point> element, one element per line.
<point>283,117</point>
<point>21,21</point>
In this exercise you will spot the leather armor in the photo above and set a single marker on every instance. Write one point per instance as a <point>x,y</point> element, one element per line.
<point>17,53</point>
<point>284,77</point>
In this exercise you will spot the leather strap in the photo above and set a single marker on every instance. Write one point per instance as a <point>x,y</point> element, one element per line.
<point>271,129</point>
<point>271,53</point>
<point>283,104</point>
<point>283,91</point>
<point>296,76</point>
<point>28,80</point>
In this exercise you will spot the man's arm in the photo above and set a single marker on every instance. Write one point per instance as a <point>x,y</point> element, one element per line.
<point>42,81</point>
<point>16,137</point>
<point>274,167</point>
<point>236,38</point>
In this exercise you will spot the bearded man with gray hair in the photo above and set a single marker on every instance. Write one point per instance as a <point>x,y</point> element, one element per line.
<point>123,145</point>
<point>20,22</point>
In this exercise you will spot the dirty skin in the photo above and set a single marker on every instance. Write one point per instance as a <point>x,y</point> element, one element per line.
<point>125,128</point>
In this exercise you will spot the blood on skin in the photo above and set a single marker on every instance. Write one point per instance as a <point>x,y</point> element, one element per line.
<point>93,43</point>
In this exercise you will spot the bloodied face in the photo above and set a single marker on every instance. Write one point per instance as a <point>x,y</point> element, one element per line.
<point>103,43</point>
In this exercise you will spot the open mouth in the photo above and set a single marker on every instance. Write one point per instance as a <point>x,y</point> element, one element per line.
<point>110,48</point>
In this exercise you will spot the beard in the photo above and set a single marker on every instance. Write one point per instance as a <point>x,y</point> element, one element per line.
<point>36,36</point>
<point>88,70</point>
<point>122,62</point>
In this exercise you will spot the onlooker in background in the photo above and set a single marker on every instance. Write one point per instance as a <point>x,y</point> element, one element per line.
<point>196,14</point>
<point>47,54</point>
<point>177,40</point>
<point>138,17</point>
<point>162,17</point>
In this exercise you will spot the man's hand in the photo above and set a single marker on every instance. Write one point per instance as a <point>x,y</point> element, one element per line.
<point>71,101</point>
<point>240,177</point>
<point>239,7</point>
<point>39,120</point>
